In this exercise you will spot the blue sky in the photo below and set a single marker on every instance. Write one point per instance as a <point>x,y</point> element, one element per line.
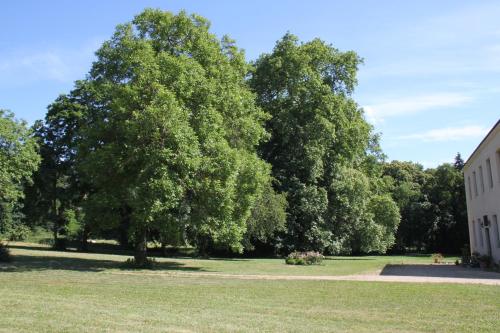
<point>430,82</point>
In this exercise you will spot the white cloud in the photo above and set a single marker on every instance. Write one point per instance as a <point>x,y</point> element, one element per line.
<point>54,64</point>
<point>413,104</point>
<point>43,65</point>
<point>448,134</point>
<point>435,163</point>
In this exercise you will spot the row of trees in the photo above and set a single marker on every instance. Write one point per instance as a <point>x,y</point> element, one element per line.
<point>432,206</point>
<point>174,137</point>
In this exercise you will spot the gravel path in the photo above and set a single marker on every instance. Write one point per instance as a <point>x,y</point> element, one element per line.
<point>391,273</point>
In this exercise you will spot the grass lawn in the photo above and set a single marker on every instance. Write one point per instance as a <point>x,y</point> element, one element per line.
<point>31,255</point>
<point>49,291</point>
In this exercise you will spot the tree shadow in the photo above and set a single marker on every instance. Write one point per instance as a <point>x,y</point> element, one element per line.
<point>27,263</point>
<point>445,271</point>
<point>224,259</point>
<point>349,259</point>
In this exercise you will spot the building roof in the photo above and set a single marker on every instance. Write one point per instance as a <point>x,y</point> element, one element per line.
<point>482,141</point>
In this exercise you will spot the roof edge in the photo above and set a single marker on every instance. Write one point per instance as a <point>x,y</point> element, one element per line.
<point>482,141</point>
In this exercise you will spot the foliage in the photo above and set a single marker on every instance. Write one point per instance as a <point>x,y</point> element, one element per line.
<point>432,205</point>
<point>57,187</point>
<point>18,160</point>
<point>173,137</point>
<point>170,132</point>
<point>268,218</point>
<point>18,156</point>
<point>321,149</point>
<point>304,258</point>
<point>18,232</point>
<point>466,255</point>
<point>474,259</point>
<point>437,258</point>
<point>485,260</point>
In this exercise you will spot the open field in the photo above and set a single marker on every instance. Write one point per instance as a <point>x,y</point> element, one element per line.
<point>49,291</point>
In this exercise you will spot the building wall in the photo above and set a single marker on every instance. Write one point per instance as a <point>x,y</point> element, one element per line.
<point>482,188</point>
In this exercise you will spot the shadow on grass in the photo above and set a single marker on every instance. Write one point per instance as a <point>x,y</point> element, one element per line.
<point>447,271</point>
<point>349,259</point>
<point>224,259</point>
<point>26,263</point>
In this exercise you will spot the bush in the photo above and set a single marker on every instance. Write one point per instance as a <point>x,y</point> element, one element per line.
<point>437,258</point>
<point>18,232</point>
<point>474,260</point>
<point>485,261</point>
<point>4,253</point>
<point>304,258</point>
<point>466,257</point>
<point>290,261</point>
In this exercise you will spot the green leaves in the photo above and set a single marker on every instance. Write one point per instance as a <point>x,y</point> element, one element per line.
<point>18,156</point>
<point>172,129</point>
<point>320,145</point>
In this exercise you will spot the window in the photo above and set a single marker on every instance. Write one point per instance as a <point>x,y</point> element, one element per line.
<point>488,171</point>
<point>480,232</point>
<point>498,165</point>
<point>470,188</point>
<point>496,230</point>
<point>475,182</point>
<point>481,178</point>
<point>474,234</point>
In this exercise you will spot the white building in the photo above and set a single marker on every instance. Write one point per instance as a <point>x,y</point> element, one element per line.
<point>482,188</point>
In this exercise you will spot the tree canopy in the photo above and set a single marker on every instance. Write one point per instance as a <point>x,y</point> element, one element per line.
<point>171,130</point>
<point>319,142</point>
<point>174,137</point>
<point>18,160</point>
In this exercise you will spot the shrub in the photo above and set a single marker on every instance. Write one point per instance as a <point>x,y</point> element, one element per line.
<point>466,257</point>
<point>18,232</point>
<point>304,258</point>
<point>485,261</point>
<point>437,258</point>
<point>474,260</point>
<point>4,253</point>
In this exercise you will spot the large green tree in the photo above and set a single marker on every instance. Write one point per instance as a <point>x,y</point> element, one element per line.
<point>171,131</point>
<point>319,145</point>
<point>18,160</point>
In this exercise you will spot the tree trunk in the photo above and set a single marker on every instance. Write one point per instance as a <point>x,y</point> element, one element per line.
<point>85,238</point>
<point>54,233</point>
<point>163,249</point>
<point>140,254</point>
<point>123,229</point>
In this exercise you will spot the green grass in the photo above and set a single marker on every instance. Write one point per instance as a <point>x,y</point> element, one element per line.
<point>49,291</point>
<point>27,256</point>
